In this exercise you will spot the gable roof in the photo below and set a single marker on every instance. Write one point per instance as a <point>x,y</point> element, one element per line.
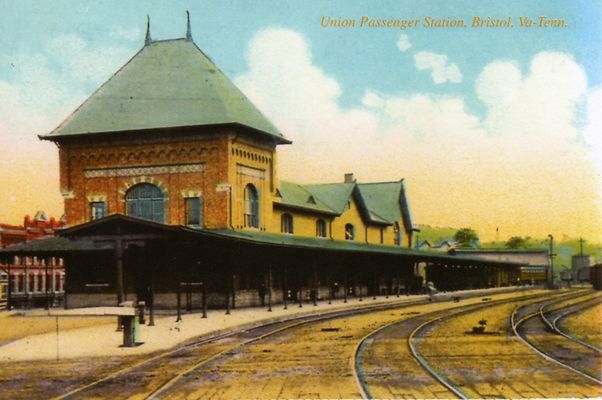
<point>381,199</point>
<point>379,203</point>
<point>167,84</point>
<point>334,195</point>
<point>296,196</point>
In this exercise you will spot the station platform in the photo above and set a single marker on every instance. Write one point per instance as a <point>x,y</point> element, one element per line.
<point>104,340</point>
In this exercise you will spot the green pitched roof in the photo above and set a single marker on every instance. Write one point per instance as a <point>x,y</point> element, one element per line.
<point>296,196</point>
<point>382,199</point>
<point>167,84</point>
<point>334,195</point>
<point>380,203</point>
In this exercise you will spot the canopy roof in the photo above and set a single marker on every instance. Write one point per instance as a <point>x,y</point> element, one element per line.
<point>167,84</point>
<point>93,236</point>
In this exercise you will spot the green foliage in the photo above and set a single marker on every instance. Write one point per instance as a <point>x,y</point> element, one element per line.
<point>564,248</point>
<point>435,234</point>
<point>466,237</point>
<point>518,242</point>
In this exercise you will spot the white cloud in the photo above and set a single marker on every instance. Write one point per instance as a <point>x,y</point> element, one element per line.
<point>461,169</point>
<point>592,133</point>
<point>85,63</point>
<point>372,99</point>
<point>131,34</point>
<point>44,88</point>
<point>542,103</point>
<point>403,43</point>
<point>441,70</point>
<point>282,77</point>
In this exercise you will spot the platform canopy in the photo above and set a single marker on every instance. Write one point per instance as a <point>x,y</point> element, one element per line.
<point>101,234</point>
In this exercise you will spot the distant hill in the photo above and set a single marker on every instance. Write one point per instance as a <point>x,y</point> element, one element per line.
<point>435,234</point>
<point>564,248</point>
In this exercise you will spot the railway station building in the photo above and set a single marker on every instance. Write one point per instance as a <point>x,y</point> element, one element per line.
<point>171,188</point>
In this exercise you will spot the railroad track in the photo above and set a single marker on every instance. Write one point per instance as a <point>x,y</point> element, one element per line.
<point>411,328</point>
<point>561,349</point>
<point>174,373</point>
<point>555,320</point>
<point>190,359</point>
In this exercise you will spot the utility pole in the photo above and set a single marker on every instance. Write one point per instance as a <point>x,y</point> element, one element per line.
<point>551,275</point>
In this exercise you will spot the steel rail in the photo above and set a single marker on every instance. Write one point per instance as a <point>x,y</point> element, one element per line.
<point>430,369</point>
<point>206,340</point>
<point>516,324</point>
<point>568,335</point>
<point>243,329</point>
<point>166,387</point>
<point>542,310</point>
<point>358,373</point>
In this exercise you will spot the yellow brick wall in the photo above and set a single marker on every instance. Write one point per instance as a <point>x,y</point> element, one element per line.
<point>350,216</point>
<point>374,235</point>
<point>251,163</point>
<point>304,224</point>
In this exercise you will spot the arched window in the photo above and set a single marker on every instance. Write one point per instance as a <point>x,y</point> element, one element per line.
<point>145,201</point>
<point>349,232</point>
<point>251,215</point>
<point>320,228</point>
<point>397,232</point>
<point>286,223</point>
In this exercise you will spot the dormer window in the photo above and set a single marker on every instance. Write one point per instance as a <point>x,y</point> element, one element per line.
<point>349,232</point>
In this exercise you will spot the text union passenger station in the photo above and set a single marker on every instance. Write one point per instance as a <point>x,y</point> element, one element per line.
<point>170,181</point>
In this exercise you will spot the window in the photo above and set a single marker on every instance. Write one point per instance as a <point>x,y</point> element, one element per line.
<point>98,210</point>
<point>320,228</point>
<point>397,232</point>
<point>286,223</point>
<point>251,215</point>
<point>194,211</point>
<point>349,232</point>
<point>146,201</point>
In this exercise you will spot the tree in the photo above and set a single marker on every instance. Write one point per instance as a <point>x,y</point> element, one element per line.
<point>517,242</point>
<point>466,237</point>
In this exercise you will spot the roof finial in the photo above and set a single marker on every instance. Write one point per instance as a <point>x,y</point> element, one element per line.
<point>188,31</point>
<point>148,39</point>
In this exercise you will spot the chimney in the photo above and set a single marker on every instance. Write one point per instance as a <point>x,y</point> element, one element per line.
<point>349,178</point>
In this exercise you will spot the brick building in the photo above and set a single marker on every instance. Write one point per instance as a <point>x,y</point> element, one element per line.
<point>33,228</point>
<point>169,167</point>
<point>32,281</point>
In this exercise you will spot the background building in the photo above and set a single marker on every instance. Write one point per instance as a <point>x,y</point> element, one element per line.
<point>32,281</point>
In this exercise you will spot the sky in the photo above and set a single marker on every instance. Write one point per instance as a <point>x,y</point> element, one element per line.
<point>494,128</point>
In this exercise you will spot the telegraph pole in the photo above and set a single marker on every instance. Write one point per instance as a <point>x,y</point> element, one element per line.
<point>551,275</point>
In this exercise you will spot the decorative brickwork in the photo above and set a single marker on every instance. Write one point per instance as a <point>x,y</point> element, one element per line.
<point>136,171</point>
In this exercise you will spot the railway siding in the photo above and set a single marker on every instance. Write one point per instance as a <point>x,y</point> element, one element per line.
<point>585,325</point>
<point>497,364</point>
